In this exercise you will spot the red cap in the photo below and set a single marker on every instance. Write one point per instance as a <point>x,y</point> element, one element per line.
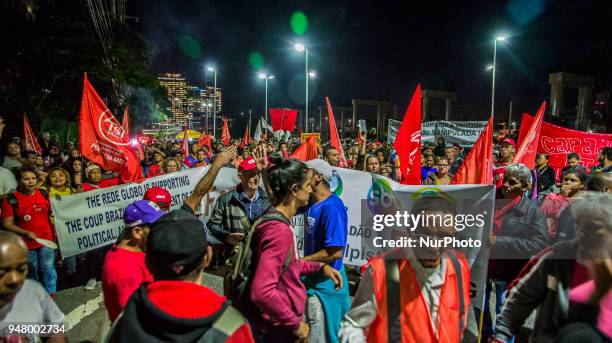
<point>509,141</point>
<point>248,164</point>
<point>158,195</point>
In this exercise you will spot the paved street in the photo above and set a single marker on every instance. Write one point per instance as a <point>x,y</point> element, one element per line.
<point>86,314</point>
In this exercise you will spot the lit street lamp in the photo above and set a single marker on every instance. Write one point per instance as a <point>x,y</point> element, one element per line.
<point>214,100</point>
<point>493,67</point>
<point>266,77</point>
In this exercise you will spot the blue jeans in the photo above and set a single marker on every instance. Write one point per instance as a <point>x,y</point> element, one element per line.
<point>41,264</point>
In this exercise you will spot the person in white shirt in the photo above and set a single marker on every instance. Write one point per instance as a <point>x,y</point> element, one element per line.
<point>24,302</point>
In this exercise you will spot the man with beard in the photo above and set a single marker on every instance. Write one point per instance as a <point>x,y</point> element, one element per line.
<point>416,294</point>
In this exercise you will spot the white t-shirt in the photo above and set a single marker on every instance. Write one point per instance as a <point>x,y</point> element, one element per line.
<point>32,305</point>
<point>8,184</point>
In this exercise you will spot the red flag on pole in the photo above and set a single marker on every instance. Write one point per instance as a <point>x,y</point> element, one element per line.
<point>333,134</point>
<point>103,140</point>
<point>31,143</point>
<point>477,168</point>
<point>245,139</point>
<point>126,122</point>
<point>225,134</point>
<point>526,153</point>
<point>408,141</point>
<point>307,151</point>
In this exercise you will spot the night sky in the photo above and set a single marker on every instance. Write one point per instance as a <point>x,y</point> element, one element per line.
<point>381,49</point>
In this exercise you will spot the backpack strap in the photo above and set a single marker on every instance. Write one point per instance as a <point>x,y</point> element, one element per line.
<point>45,193</point>
<point>12,200</point>
<point>455,261</point>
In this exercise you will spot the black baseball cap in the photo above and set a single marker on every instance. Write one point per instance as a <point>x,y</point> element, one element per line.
<point>176,246</point>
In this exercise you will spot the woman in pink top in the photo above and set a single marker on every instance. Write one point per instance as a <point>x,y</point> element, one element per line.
<point>276,291</point>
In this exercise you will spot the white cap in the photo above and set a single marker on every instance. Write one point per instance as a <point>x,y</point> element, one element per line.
<point>321,167</point>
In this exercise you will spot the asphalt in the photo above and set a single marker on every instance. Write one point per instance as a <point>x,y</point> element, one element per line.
<point>88,320</point>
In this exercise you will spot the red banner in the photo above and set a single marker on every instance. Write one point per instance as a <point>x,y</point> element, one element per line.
<point>126,121</point>
<point>103,140</point>
<point>283,119</point>
<point>31,144</point>
<point>557,142</point>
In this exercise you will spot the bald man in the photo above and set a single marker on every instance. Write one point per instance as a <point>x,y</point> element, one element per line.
<point>23,301</point>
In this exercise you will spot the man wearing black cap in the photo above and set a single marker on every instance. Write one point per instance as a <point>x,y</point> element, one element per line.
<point>176,307</point>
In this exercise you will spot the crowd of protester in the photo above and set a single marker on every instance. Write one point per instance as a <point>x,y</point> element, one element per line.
<point>550,248</point>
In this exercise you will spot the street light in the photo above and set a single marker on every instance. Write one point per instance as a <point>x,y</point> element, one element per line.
<point>266,77</point>
<point>494,67</point>
<point>214,100</point>
<point>301,47</point>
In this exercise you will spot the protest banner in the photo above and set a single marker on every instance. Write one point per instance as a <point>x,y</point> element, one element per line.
<point>85,221</point>
<point>366,194</point>
<point>464,133</point>
<point>557,142</point>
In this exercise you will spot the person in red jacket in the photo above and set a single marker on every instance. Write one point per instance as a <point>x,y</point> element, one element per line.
<point>176,307</point>
<point>95,181</point>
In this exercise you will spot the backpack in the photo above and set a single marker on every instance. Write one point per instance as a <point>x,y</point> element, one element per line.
<point>12,199</point>
<point>239,265</point>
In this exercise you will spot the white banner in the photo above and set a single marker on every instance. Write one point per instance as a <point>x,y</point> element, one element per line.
<point>89,220</point>
<point>464,133</point>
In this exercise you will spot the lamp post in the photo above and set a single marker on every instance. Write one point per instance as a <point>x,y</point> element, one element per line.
<point>266,77</point>
<point>493,67</point>
<point>214,100</point>
<point>301,47</point>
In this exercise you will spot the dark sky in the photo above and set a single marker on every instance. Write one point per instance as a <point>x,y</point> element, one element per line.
<point>381,49</point>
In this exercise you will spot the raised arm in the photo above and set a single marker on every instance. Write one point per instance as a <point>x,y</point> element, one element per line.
<point>207,181</point>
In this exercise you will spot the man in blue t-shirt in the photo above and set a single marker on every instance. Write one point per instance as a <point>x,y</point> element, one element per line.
<point>325,234</point>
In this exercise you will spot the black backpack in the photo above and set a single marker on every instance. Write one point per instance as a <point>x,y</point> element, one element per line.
<point>239,264</point>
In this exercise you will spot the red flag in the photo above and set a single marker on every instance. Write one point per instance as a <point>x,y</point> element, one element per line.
<point>245,139</point>
<point>526,153</point>
<point>408,141</point>
<point>333,135</point>
<point>103,140</point>
<point>225,134</point>
<point>126,122</point>
<point>31,143</point>
<point>477,168</point>
<point>206,140</point>
<point>283,119</point>
<point>307,151</point>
